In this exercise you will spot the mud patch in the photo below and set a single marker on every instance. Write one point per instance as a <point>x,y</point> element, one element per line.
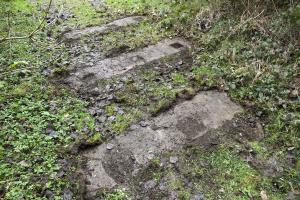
<point>127,154</point>
<point>77,34</point>
<point>107,68</point>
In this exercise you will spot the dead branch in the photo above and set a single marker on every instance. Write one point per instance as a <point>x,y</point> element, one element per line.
<point>30,35</point>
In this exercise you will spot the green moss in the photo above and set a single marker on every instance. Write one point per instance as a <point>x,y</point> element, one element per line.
<point>205,76</point>
<point>96,138</point>
<point>179,79</point>
<point>36,119</point>
<point>116,195</point>
<point>122,122</point>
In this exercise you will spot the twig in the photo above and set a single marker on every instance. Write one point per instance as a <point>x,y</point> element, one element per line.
<point>29,36</point>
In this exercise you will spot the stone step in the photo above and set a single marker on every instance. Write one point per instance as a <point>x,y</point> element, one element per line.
<point>109,67</point>
<point>77,34</point>
<point>194,120</point>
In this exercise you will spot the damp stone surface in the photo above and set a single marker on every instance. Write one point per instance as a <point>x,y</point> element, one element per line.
<point>107,68</point>
<point>77,34</point>
<point>186,122</point>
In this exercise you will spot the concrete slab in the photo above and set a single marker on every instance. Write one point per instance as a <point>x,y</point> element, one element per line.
<point>76,34</point>
<point>188,121</point>
<point>107,68</point>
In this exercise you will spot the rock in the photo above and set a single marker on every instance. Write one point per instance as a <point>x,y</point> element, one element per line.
<point>173,159</point>
<point>101,119</point>
<point>112,118</point>
<point>144,124</point>
<point>133,127</point>
<point>23,163</point>
<point>150,184</point>
<point>109,146</point>
<point>99,111</point>
<point>96,91</point>
<point>294,94</point>
<point>110,97</point>
<point>49,194</point>
<point>85,129</point>
<point>150,156</point>
<point>120,112</point>
<point>154,127</point>
<point>51,132</point>
<point>92,111</point>
<point>107,88</point>
<point>252,120</point>
<point>263,195</point>
<point>68,195</point>
<point>60,174</point>
<point>235,125</point>
<point>291,148</point>
<point>11,138</point>
<point>174,195</point>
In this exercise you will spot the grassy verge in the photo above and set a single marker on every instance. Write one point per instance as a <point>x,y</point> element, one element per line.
<point>39,122</point>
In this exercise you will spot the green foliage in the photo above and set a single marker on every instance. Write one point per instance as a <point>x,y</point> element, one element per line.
<point>36,119</point>
<point>205,76</point>
<point>295,15</point>
<point>31,150</point>
<point>179,79</point>
<point>118,194</point>
<point>132,37</point>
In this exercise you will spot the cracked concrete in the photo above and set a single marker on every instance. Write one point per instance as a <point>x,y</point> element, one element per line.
<point>127,154</point>
<point>110,67</point>
<point>77,34</point>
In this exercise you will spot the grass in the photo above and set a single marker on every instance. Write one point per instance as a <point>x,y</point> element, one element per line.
<point>219,173</point>
<point>133,37</point>
<point>38,121</point>
<point>234,178</point>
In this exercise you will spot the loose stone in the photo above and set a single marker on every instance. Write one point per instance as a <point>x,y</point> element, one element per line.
<point>109,146</point>
<point>173,159</point>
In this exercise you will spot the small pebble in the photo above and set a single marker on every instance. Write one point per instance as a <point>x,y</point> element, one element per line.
<point>150,156</point>
<point>112,118</point>
<point>173,159</point>
<point>143,124</point>
<point>133,127</point>
<point>109,146</point>
<point>294,94</point>
<point>222,190</point>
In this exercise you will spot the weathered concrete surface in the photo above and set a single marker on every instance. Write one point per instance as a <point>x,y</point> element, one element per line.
<point>107,68</point>
<point>76,34</point>
<point>118,162</point>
